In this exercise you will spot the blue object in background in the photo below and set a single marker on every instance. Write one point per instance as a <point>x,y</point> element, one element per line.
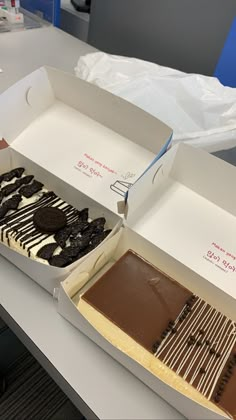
<point>226,68</point>
<point>48,9</point>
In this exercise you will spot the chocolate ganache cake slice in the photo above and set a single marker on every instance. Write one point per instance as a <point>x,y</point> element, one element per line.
<point>171,332</point>
<point>40,225</point>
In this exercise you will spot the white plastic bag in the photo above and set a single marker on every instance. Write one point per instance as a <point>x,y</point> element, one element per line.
<point>199,109</point>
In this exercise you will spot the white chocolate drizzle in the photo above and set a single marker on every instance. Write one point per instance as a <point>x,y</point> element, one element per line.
<point>204,323</point>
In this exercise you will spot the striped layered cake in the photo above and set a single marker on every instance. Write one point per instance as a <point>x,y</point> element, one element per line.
<point>40,225</point>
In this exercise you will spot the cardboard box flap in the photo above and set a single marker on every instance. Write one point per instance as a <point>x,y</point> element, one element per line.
<point>185,205</point>
<point>23,102</point>
<point>95,141</point>
<point>114,112</point>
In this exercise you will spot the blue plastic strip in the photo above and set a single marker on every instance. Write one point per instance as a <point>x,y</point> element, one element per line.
<point>157,157</point>
<point>56,13</point>
<point>50,9</point>
<point>226,68</point>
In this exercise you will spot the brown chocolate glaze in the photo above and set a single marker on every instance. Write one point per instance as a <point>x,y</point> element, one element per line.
<point>142,301</point>
<point>138,298</point>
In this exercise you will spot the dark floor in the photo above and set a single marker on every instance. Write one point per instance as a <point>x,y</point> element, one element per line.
<point>30,391</point>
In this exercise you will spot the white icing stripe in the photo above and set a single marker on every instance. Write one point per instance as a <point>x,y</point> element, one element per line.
<point>221,369</point>
<point>26,225</point>
<point>209,389</point>
<point>26,214</point>
<point>213,359</point>
<point>201,349</point>
<point>187,329</point>
<point>167,341</point>
<point>221,364</point>
<point>193,329</point>
<point>219,330</point>
<point>206,349</point>
<point>197,350</point>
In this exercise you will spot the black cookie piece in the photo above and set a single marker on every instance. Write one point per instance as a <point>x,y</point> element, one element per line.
<point>49,219</point>
<point>15,173</point>
<point>46,252</point>
<point>97,239</point>
<point>11,204</point>
<point>10,188</point>
<point>62,236</point>
<point>18,172</point>
<point>78,227</point>
<point>84,252</point>
<point>70,252</point>
<point>1,196</point>
<point>98,223</point>
<point>59,261</point>
<point>80,243</point>
<point>28,190</point>
<point>3,212</point>
<point>95,227</point>
<point>26,179</point>
<point>83,214</point>
<point>88,233</point>
<point>49,194</point>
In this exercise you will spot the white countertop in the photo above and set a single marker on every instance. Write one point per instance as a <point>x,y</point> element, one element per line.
<point>24,52</point>
<point>97,384</point>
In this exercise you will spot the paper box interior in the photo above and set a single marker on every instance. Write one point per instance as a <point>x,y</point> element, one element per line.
<point>188,219</point>
<point>90,271</point>
<point>189,211</point>
<point>84,143</point>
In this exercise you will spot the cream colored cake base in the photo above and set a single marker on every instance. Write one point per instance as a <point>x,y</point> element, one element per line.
<point>127,345</point>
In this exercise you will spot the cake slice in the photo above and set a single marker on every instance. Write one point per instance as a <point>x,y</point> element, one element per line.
<point>40,225</point>
<point>171,332</point>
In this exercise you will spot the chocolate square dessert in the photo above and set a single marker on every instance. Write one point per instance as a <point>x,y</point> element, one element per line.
<point>167,329</point>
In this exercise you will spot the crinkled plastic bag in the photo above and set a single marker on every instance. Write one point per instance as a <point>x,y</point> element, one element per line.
<point>200,110</point>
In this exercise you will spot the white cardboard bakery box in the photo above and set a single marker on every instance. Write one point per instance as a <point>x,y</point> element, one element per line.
<point>84,143</point>
<point>180,216</point>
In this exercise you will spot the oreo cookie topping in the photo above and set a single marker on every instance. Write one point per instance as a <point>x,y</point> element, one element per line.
<point>15,173</point>
<point>97,239</point>
<point>82,237</point>
<point>31,189</point>
<point>10,204</point>
<point>42,225</point>
<point>62,235</point>
<point>78,228</point>
<point>80,243</point>
<point>49,219</point>
<point>83,215</point>
<point>10,188</point>
<point>59,261</point>
<point>46,252</point>
<point>1,196</point>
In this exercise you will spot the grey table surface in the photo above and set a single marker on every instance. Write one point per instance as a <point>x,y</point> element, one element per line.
<point>97,384</point>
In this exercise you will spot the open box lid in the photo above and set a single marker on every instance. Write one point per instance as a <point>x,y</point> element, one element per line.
<point>186,205</point>
<point>95,141</point>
